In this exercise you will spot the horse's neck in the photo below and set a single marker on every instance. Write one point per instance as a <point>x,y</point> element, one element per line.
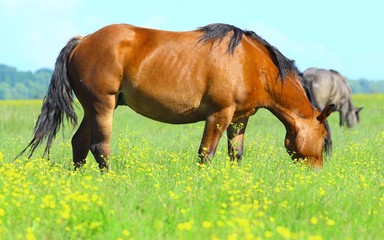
<point>290,104</point>
<point>350,104</point>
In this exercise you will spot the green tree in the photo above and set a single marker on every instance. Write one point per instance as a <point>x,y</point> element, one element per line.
<point>16,84</point>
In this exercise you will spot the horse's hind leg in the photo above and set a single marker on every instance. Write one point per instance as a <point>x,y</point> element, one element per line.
<point>81,143</point>
<point>101,128</point>
<point>235,134</point>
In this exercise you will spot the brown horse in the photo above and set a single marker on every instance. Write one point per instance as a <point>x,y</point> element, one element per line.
<point>219,74</point>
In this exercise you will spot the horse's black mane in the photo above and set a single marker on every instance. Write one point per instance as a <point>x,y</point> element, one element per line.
<point>308,90</point>
<point>286,66</point>
<point>218,31</point>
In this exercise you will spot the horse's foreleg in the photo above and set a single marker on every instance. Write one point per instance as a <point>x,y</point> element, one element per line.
<point>342,118</point>
<point>81,143</point>
<point>215,125</point>
<point>235,134</point>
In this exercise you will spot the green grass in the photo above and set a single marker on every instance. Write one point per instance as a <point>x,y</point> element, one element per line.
<point>155,189</point>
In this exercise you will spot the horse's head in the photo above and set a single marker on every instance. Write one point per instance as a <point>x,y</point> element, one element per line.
<point>353,116</point>
<point>310,138</point>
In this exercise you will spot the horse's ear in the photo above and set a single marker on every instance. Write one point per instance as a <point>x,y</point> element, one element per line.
<point>358,109</point>
<point>326,112</point>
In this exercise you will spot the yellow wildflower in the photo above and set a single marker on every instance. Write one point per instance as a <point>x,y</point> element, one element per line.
<point>284,232</point>
<point>321,191</point>
<point>206,224</point>
<point>330,222</point>
<point>126,233</point>
<point>314,220</point>
<point>268,234</point>
<point>186,226</point>
<point>30,235</point>
<point>316,237</point>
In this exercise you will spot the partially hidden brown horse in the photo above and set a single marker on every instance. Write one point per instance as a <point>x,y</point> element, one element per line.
<point>219,74</point>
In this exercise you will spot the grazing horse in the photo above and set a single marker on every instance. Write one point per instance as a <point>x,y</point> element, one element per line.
<point>219,74</point>
<point>330,87</point>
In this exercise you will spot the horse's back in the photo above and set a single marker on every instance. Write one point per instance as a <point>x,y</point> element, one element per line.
<point>328,86</point>
<point>322,85</point>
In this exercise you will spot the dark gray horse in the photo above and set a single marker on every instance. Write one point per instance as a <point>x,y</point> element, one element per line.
<point>330,87</point>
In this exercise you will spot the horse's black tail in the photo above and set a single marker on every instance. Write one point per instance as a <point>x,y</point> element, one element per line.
<point>57,103</point>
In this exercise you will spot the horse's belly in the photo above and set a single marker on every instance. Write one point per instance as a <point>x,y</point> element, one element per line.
<point>164,108</point>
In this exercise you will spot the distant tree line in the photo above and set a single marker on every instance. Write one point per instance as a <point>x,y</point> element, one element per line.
<point>366,86</point>
<point>16,84</point>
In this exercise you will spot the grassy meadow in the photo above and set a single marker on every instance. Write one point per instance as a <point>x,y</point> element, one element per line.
<point>155,190</point>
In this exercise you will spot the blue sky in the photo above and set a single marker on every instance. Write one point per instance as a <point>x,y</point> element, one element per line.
<point>346,35</point>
